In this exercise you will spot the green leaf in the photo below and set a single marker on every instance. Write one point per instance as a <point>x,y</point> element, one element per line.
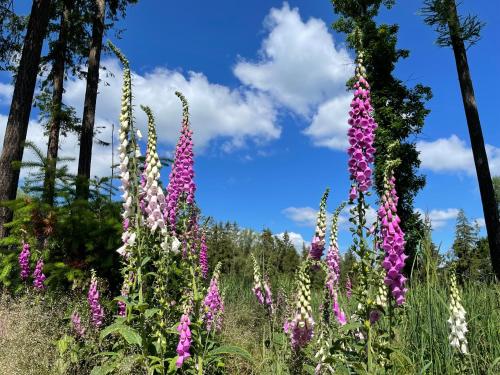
<point>131,335</point>
<point>150,312</point>
<point>104,369</point>
<point>128,333</point>
<point>231,350</point>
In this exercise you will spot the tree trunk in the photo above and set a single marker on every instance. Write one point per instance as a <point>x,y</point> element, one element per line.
<point>58,70</point>
<point>20,109</point>
<point>490,209</point>
<point>86,138</point>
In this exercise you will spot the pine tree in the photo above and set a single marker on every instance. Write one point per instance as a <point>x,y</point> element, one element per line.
<point>20,109</point>
<point>464,246</point>
<point>456,31</point>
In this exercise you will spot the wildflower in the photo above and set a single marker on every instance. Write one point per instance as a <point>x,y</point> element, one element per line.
<point>301,326</point>
<point>38,275</point>
<point>339,314</point>
<point>24,261</point>
<point>332,256</point>
<point>96,310</point>
<point>380,301</point>
<point>122,306</point>
<point>333,267</point>
<point>393,241</point>
<point>318,241</point>
<point>213,303</point>
<point>77,324</point>
<point>257,282</point>
<point>184,340</point>
<point>361,134</point>
<point>203,256</point>
<point>181,181</point>
<point>128,237</point>
<point>348,287</point>
<point>458,325</point>
<point>268,294</point>
<point>152,197</point>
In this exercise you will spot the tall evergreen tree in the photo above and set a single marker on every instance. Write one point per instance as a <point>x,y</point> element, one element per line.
<point>399,110</point>
<point>464,246</point>
<point>89,107</point>
<point>456,31</point>
<point>20,109</point>
<point>104,14</point>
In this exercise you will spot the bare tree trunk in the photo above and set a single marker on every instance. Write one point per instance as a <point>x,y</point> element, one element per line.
<point>58,70</point>
<point>20,109</point>
<point>86,138</point>
<point>490,209</point>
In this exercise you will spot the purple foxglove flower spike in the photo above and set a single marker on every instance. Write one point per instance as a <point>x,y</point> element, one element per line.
<point>77,324</point>
<point>38,275</point>
<point>213,303</point>
<point>361,134</point>
<point>257,282</point>
<point>392,241</point>
<point>24,261</point>
<point>184,340</point>
<point>96,310</point>
<point>181,182</point>
<point>318,241</point>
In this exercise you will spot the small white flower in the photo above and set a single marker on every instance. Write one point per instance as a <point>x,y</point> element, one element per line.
<point>175,245</point>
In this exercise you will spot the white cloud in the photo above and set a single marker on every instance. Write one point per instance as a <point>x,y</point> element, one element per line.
<point>329,125</point>
<point>235,115</point>
<point>480,222</point>
<point>439,218</point>
<point>305,216</point>
<point>299,64</point>
<point>296,239</point>
<point>453,155</point>
<point>101,159</point>
<point>5,93</point>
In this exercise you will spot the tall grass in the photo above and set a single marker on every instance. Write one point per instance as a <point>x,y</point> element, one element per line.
<point>30,326</point>
<point>421,335</point>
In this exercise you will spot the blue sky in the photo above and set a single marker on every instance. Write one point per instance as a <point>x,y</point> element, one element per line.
<point>266,83</point>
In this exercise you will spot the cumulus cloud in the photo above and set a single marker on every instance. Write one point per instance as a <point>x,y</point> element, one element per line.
<point>235,115</point>
<point>329,125</point>
<point>5,93</point>
<point>439,217</point>
<point>305,216</point>
<point>299,64</point>
<point>453,155</point>
<point>296,239</point>
<point>101,159</point>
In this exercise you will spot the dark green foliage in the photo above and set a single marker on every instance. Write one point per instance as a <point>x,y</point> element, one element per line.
<point>472,254</point>
<point>73,236</point>
<point>11,30</point>
<point>399,110</point>
<point>496,186</point>
<point>232,246</point>
<point>436,14</point>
